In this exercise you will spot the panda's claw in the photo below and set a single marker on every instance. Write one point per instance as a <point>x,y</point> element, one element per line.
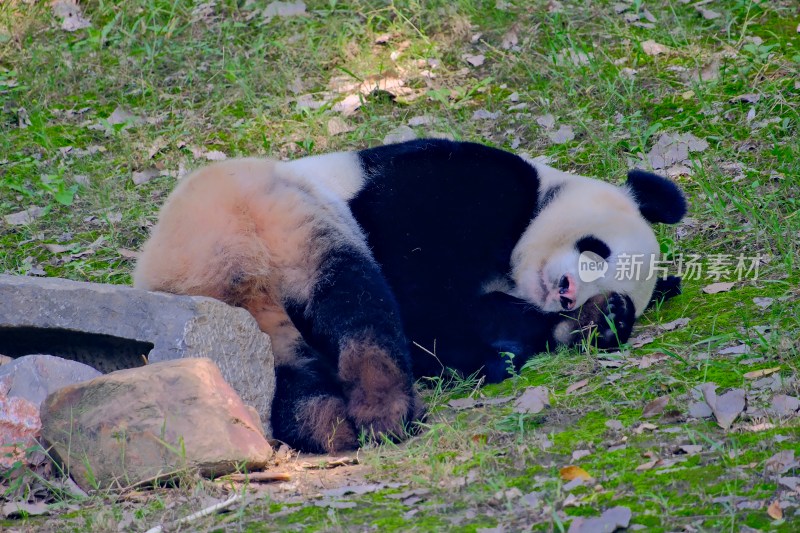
<point>615,321</point>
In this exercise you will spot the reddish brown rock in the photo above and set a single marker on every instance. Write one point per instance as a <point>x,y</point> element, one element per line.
<point>151,422</point>
<point>19,425</point>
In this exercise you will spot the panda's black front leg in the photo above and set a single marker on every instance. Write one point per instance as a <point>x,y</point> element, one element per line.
<point>507,325</point>
<point>352,318</point>
<point>510,330</point>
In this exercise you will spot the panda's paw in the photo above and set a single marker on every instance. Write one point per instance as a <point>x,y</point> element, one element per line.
<point>604,320</point>
<point>381,400</point>
<point>614,320</point>
<point>382,416</point>
<point>325,425</point>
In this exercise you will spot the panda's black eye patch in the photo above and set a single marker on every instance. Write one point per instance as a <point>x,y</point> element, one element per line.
<point>590,243</point>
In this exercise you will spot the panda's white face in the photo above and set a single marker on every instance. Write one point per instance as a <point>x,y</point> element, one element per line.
<point>578,216</point>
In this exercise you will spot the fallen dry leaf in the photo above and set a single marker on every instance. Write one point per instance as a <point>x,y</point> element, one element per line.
<point>337,126</point>
<point>482,114</point>
<point>353,489</point>
<point>348,106</point>
<point>510,40</point>
<point>400,134</point>
<point>653,359</point>
<point>568,473</point>
<point>24,217</point>
<point>774,510</point>
<point>611,520</point>
<point>475,60</point>
<point>781,462</point>
<point>283,9</point>
<point>750,98</point>
<point>128,254</point>
<point>791,483</point>
<point>71,15</point>
<point>422,120</point>
<point>641,340</point>
<point>57,248</point>
<point>700,410</point>
<point>562,135</point>
<point>675,324</point>
<point>215,155</point>
<point>652,48</point>
<point>707,14</point>
<point>763,303</point>
<point>532,401</point>
<point>649,465</point>
<point>644,426</point>
<point>572,485</point>
<point>612,360</point>
<point>690,449</point>
<point>572,56</point>
<point>714,288</point>
<point>739,349</point>
<point>673,148</point>
<point>145,175</point>
<point>577,385</point>
<point>335,504</point>
<point>783,405</point>
<point>656,407</point>
<point>547,121</point>
<point>761,373</point>
<point>726,408</point>
<point>463,403</point>
<point>480,438</point>
<point>19,508</point>
<point>120,115</point>
<point>580,454</point>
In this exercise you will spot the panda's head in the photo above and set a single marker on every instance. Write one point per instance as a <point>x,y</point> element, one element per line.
<point>590,237</point>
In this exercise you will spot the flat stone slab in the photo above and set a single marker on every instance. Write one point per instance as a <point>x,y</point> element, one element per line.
<point>114,327</point>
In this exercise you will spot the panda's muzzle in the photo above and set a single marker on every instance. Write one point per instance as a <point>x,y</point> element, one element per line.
<point>567,292</point>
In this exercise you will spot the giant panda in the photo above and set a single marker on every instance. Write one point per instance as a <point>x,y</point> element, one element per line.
<point>369,269</point>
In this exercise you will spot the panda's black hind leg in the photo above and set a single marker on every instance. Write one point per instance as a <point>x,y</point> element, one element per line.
<point>353,320</point>
<point>309,411</point>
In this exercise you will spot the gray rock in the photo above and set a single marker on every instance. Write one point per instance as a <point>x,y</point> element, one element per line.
<point>113,327</point>
<point>152,422</point>
<point>33,377</point>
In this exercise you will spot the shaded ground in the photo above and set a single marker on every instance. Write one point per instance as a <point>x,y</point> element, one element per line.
<point>98,124</point>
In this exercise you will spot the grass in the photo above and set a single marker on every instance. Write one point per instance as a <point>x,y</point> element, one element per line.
<point>223,79</point>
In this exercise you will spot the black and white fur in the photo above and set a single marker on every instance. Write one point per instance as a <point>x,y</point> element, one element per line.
<point>353,261</point>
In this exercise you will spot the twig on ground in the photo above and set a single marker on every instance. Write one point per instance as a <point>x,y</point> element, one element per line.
<point>200,514</point>
<point>258,477</point>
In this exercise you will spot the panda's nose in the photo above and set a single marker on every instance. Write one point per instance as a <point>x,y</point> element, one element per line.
<point>567,292</point>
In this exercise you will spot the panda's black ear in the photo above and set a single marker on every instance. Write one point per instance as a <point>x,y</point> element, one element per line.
<point>659,199</point>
